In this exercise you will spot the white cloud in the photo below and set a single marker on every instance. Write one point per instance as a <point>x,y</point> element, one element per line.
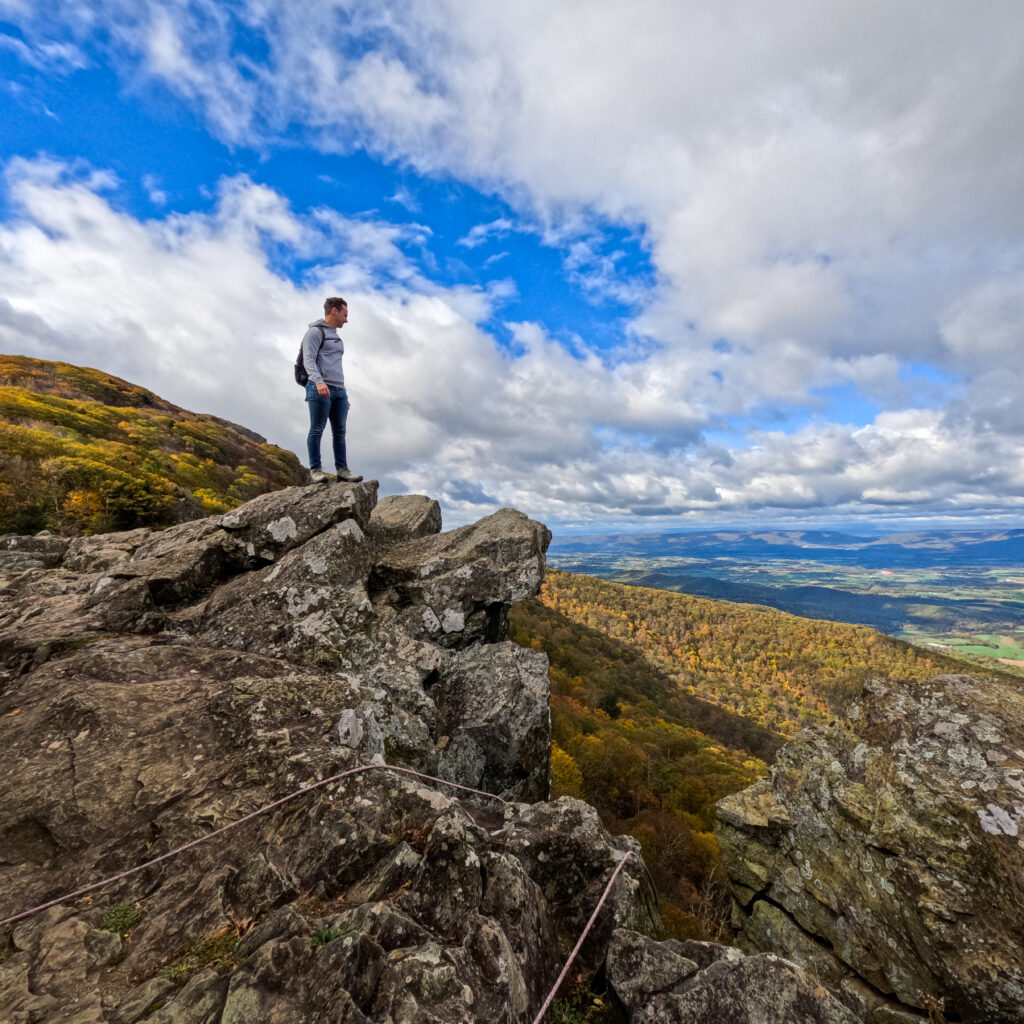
<point>54,58</point>
<point>824,182</point>
<point>156,194</point>
<point>190,307</point>
<point>987,324</point>
<point>479,233</point>
<point>834,194</point>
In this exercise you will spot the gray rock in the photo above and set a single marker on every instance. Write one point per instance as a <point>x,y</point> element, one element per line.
<point>704,954</point>
<point>639,968</point>
<point>18,553</point>
<point>457,585</point>
<point>102,947</point>
<point>397,869</point>
<point>304,608</point>
<point>104,551</point>
<point>887,838</point>
<point>168,684</point>
<point>763,989</point>
<point>179,564</point>
<point>201,1001</point>
<point>769,927</point>
<point>274,523</point>
<point>402,517</point>
<point>492,712</point>
<point>144,1001</point>
<point>565,850</point>
<point>384,923</point>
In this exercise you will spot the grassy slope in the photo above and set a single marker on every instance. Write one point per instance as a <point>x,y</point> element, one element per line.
<point>82,451</point>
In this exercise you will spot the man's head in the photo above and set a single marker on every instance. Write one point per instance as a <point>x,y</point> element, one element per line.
<point>335,311</point>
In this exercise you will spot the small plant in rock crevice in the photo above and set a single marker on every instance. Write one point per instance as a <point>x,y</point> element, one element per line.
<point>580,1005</point>
<point>562,1012</point>
<point>321,936</point>
<point>936,1008</point>
<point>121,918</point>
<point>214,951</point>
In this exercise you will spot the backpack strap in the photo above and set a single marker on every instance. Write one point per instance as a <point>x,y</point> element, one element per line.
<point>323,338</point>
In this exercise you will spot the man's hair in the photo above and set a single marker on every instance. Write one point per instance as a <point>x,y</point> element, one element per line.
<point>331,303</point>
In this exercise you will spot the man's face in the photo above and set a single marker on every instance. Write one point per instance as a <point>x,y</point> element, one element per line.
<point>337,316</point>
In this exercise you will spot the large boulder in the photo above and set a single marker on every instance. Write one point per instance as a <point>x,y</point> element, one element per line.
<point>43,551</point>
<point>304,608</point>
<point>493,720</point>
<point>456,587</point>
<point>380,898</point>
<point>762,989</point>
<point>161,685</point>
<point>887,850</point>
<point>659,982</point>
<point>274,523</point>
<point>405,517</point>
<point>640,968</point>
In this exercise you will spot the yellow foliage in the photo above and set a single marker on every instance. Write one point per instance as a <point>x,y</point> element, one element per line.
<point>566,777</point>
<point>212,503</point>
<point>67,429</point>
<point>84,509</point>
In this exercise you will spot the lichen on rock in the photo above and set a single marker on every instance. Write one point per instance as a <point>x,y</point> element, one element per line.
<point>885,849</point>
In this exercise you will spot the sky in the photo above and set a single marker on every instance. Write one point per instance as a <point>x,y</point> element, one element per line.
<point>624,267</point>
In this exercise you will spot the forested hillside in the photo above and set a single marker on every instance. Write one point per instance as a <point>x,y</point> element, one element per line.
<point>661,704</point>
<point>84,452</point>
<point>780,671</point>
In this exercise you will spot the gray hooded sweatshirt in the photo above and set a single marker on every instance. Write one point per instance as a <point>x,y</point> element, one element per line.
<point>326,366</point>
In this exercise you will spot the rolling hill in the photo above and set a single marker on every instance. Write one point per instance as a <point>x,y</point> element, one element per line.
<point>82,451</point>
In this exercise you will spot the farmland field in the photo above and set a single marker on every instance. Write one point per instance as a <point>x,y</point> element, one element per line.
<point>975,612</point>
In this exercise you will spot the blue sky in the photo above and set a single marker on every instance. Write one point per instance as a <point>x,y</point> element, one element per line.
<point>703,265</point>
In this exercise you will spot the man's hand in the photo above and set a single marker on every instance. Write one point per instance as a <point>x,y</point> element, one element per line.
<point>323,389</point>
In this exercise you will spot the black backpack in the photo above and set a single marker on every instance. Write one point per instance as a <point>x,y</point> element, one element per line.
<point>301,377</point>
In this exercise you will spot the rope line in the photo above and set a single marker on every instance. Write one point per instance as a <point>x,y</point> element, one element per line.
<point>579,942</point>
<point>302,792</point>
<point>234,824</point>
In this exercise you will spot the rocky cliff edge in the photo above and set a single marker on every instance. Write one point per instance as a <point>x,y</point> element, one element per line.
<point>886,852</point>
<point>159,685</point>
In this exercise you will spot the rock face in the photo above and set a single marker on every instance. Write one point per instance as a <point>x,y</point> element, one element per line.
<point>158,686</point>
<point>886,852</point>
<point>659,982</point>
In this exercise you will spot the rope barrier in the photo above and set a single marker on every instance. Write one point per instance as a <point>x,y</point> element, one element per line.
<point>235,824</point>
<point>302,792</point>
<point>582,938</point>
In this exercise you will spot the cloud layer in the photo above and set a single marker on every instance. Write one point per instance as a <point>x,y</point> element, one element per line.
<point>829,199</point>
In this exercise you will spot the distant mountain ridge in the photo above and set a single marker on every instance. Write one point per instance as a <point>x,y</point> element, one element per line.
<point>887,612</point>
<point>917,549</point>
<point>82,451</point>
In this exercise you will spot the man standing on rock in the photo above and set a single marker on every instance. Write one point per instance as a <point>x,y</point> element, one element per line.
<point>322,349</point>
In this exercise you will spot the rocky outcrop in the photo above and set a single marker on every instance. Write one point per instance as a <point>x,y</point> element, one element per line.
<point>160,685</point>
<point>701,982</point>
<point>886,852</point>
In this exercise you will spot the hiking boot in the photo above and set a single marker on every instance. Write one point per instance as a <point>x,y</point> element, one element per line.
<point>346,476</point>
<point>317,476</point>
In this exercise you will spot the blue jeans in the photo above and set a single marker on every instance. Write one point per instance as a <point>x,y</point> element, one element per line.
<point>332,407</point>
